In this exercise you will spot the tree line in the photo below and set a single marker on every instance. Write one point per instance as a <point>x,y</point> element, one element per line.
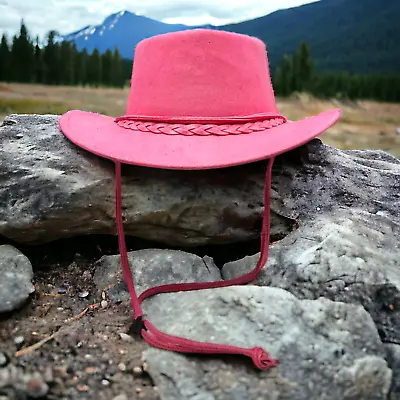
<point>57,62</point>
<point>60,63</point>
<point>298,73</point>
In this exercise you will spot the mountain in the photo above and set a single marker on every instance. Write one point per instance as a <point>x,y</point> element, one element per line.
<point>358,36</point>
<point>123,30</point>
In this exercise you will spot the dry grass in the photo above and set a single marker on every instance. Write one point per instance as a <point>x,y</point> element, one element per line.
<point>364,124</point>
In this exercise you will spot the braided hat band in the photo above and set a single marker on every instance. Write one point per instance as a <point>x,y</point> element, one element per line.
<point>199,129</point>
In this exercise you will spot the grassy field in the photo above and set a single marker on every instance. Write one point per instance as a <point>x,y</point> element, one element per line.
<point>364,124</point>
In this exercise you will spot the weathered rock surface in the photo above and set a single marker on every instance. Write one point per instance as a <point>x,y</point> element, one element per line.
<point>344,255</point>
<point>393,359</point>
<point>15,278</point>
<point>153,267</point>
<point>50,189</point>
<point>327,350</point>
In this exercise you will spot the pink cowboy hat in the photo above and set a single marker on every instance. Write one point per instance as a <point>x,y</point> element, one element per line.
<point>199,99</point>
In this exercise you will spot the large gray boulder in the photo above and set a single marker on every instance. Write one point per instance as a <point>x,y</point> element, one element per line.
<point>50,189</point>
<point>327,350</point>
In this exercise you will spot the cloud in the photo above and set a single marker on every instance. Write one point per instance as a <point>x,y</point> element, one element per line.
<point>66,16</point>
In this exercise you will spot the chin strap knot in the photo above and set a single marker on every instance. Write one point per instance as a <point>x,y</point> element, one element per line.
<point>261,359</point>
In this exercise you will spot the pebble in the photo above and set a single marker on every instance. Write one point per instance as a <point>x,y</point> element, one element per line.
<point>122,366</point>
<point>19,341</point>
<point>36,387</point>
<point>137,371</point>
<point>121,396</point>
<point>3,360</point>
<point>125,337</point>
<point>105,382</point>
<point>61,291</point>
<point>83,294</point>
<point>86,275</point>
<point>104,304</point>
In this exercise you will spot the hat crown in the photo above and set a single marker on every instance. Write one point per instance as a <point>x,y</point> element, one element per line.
<point>200,73</point>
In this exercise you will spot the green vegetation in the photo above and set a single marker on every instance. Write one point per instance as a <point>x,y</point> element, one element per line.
<point>26,61</point>
<point>297,73</point>
<point>356,36</point>
<point>60,63</point>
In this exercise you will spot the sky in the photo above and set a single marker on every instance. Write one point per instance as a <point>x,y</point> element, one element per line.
<point>67,16</point>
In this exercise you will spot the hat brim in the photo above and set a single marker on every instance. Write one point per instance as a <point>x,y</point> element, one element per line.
<point>100,135</point>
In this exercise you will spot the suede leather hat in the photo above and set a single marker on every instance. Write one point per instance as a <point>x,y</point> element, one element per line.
<point>199,99</point>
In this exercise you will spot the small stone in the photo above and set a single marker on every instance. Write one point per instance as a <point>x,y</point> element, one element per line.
<point>86,275</point>
<point>3,360</point>
<point>83,294</point>
<point>61,291</point>
<point>48,375</point>
<point>122,366</point>
<point>36,387</point>
<point>121,396</point>
<point>19,341</point>
<point>105,382</point>
<point>125,337</point>
<point>103,295</point>
<point>137,371</point>
<point>60,309</point>
<point>82,388</point>
<point>104,304</point>
<point>91,370</point>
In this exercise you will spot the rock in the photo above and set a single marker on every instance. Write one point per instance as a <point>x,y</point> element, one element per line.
<point>327,350</point>
<point>153,267</point>
<point>344,255</point>
<point>16,278</point>
<point>51,189</point>
<point>45,180</point>
<point>393,358</point>
<point>3,359</point>
<point>19,384</point>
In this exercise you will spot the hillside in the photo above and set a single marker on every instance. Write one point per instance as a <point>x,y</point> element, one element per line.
<point>123,30</point>
<point>358,36</point>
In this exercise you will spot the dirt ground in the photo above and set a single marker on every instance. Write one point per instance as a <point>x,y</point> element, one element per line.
<point>86,358</point>
<point>92,354</point>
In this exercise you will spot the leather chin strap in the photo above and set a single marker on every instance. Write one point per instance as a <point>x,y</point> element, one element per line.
<point>164,341</point>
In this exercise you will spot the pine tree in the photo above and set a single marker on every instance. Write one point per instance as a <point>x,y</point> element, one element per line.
<point>67,63</point>
<point>81,66</point>
<point>286,76</point>
<point>39,67</point>
<point>4,59</point>
<point>94,68</point>
<point>107,61</point>
<point>304,67</point>
<point>117,77</point>
<point>51,57</point>
<point>22,56</point>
